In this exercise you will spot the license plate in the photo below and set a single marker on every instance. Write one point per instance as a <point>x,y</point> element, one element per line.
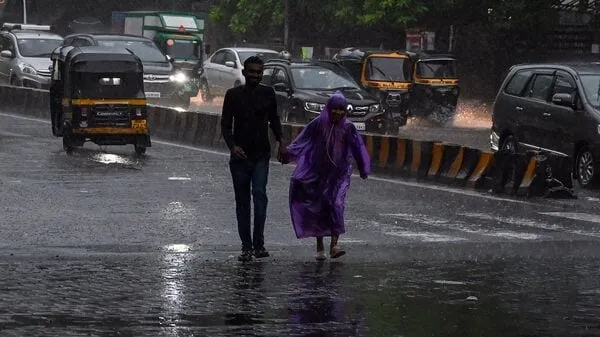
<point>360,126</point>
<point>153,94</point>
<point>138,124</point>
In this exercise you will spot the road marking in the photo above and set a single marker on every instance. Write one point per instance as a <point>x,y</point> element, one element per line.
<point>522,222</point>
<point>454,283</point>
<point>424,237</point>
<point>392,181</point>
<point>459,226</point>
<point>180,178</point>
<point>575,216</point>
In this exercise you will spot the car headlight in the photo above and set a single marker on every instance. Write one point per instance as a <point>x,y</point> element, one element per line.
<point>374,108</point>
<point>178,77</point>
<point>27,69</point>
<point>314,107</point>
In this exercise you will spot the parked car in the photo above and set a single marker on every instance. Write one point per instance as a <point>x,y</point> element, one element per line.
<point>303,89</point>
<point>25,54</point>
<point>554,108</point>
<point>161,84</point>
<point>223,69</point>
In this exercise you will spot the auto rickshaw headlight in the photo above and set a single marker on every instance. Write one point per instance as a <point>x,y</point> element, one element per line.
<point>374,108</point>
<point>138,112</point>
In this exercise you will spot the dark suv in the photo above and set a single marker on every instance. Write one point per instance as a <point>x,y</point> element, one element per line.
<point>160,84</point>
<point>554,108</point>
<point>303,89</point>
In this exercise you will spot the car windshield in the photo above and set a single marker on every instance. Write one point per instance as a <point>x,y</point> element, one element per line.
<point>591,87</point>
<point>390,69</point>
<point>436,69</point>
<point>183,49</point>
<point>244,55</point>
<point>38,47</point>
<point>317,78</point>
<point>145,50</point>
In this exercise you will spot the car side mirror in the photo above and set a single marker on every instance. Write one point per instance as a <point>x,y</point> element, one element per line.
<point>566,100</point>
<point>6,53</point>
<point>281,87</point>
<point>230,64</point>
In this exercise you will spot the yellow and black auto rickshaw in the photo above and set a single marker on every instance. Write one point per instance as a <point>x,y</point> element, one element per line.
<point>435,89</point>
<point>386,75</point>
<point>97,94</point>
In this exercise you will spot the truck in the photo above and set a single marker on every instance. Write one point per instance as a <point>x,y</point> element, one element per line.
<point>178,35</point>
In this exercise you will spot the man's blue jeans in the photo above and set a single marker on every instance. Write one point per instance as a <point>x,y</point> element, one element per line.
<point>250,179</point>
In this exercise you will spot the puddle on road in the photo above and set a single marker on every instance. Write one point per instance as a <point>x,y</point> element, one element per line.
<point>109,158</point>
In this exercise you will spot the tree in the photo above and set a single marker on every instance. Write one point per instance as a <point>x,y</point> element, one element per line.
<point>255,18</point>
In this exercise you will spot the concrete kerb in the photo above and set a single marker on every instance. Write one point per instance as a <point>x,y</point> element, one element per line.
<point>451,163</point>
<point>470,160</point>
<point>192,123</point>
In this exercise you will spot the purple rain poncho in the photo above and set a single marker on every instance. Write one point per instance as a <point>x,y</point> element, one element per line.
<point>323,152</point>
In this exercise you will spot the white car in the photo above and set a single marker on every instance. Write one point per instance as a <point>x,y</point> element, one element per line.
<point>223,69</point>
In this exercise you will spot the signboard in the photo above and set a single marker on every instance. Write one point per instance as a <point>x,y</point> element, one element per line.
<point>419,40</point>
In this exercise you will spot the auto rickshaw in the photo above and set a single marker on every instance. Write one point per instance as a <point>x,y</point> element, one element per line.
<point>97,94</point>
<point>435,90</point>
<point>386,75</point>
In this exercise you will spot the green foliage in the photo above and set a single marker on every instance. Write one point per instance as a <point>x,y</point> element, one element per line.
<point>254,17</point>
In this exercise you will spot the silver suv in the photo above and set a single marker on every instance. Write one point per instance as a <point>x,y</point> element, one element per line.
<point>25,54</point>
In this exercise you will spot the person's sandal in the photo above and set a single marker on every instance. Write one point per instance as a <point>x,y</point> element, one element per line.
<point>320,256</point>
<point>336,252</point>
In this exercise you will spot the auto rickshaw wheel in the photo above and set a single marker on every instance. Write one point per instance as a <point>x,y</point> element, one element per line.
<point>68,145</point>
<point>139,150</point>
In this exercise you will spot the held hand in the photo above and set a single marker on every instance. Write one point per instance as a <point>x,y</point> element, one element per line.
<point>238,153</point>
<point>282,154</point>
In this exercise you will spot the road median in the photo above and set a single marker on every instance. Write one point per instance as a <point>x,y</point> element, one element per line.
<point>532,174</point>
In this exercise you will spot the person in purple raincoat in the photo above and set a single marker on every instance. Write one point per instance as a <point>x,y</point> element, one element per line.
<point>323,152</point>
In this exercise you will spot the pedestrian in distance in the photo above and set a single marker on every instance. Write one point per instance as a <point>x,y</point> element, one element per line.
<point>248,112</point>
<point>323,152</point>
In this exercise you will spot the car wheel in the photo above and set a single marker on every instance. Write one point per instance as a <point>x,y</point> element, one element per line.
<point>509,144</point>
<point>585,168</point>
<point>68,144</point>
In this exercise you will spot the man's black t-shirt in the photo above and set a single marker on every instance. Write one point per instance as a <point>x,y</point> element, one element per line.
<point>247,114</point>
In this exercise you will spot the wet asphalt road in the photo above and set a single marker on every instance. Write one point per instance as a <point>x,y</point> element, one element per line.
<point>104,243</point>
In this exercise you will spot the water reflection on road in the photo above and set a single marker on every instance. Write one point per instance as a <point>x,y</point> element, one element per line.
<point>186,293</point>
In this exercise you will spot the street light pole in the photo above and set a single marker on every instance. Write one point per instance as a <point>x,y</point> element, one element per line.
<point>286,24</point>
<point>24,11</point>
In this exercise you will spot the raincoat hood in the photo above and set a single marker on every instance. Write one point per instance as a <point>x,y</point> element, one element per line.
<point>336,101</point>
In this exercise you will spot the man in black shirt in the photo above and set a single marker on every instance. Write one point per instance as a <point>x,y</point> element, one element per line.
<point>248,111</point>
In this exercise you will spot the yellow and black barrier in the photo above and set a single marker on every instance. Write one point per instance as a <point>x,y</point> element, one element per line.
<point>525,174</point>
